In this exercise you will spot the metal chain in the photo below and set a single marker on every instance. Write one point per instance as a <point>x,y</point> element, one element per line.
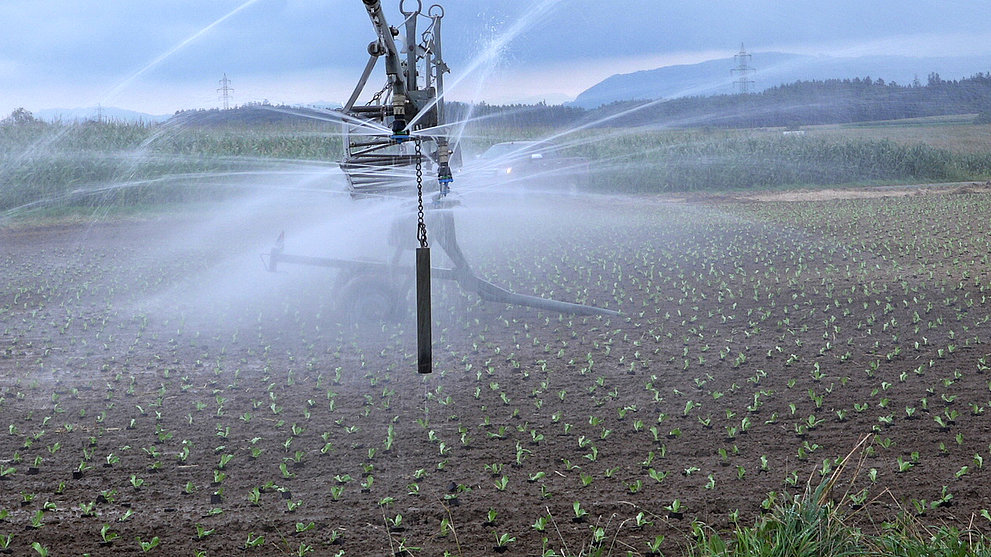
<point>377,96</point>
<point>421,226</point>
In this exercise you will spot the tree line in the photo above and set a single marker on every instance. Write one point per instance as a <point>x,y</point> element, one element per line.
<point>802,103</point>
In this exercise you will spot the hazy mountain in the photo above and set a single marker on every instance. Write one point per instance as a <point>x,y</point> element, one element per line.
<point>772,69</point>
<point>107,113</point>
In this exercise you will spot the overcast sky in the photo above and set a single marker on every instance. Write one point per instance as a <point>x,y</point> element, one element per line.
<point>159,56</point>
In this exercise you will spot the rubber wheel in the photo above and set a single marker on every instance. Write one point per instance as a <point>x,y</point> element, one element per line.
<point>367,299</point>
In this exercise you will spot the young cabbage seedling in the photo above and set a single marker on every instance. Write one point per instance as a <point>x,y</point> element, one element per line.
<point>149,545</point>
<point>580,513</point>
<point>254,540</point>
<point>654,546</point>
<point>502,541</point>
<point>107,535</point>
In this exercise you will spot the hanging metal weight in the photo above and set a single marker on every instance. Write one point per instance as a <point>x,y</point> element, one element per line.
<point>424,356</point>
<point>424,341</point>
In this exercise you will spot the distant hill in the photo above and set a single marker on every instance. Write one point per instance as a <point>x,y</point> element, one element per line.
<point>107,113</point>
<point>713,77</point>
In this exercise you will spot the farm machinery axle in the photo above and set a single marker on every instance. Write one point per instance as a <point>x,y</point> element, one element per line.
<point>377,290</point>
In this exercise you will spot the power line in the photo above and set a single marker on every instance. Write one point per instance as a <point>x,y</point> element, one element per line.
<point>225,91</point>
<point>744,70</point>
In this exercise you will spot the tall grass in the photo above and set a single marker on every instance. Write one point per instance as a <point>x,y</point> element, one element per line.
<point>810,528</point>
<point>120,164</point>
<point>821,524</point>
<point>655,162</point>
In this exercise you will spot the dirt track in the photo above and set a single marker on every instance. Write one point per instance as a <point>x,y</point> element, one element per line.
<point>830,194</point>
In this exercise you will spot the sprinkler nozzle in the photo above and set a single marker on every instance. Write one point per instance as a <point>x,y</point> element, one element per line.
<point>399,132</point>
<point>444,178</point>
<point>444,175</point>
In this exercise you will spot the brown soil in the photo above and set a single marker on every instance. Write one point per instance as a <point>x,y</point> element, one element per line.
<point>152,350</point>
<point>830,194</point>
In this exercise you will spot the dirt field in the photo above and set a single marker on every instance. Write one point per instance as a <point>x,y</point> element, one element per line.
<point>156,380</point>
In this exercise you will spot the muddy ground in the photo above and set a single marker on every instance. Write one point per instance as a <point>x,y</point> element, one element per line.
<point>155,380</point>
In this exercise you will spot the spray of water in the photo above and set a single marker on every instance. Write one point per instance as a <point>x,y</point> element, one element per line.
<point>126,82</point>
<point>308,183</point>
<point>480,67</point>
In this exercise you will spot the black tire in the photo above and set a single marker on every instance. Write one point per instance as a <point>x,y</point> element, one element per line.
<point>368,299</point>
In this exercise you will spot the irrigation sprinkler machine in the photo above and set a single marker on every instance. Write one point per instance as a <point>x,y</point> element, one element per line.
<point>397,145</point>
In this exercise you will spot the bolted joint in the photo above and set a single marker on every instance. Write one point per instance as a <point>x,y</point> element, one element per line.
<point>399,131</point>
<point>376,49</point>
